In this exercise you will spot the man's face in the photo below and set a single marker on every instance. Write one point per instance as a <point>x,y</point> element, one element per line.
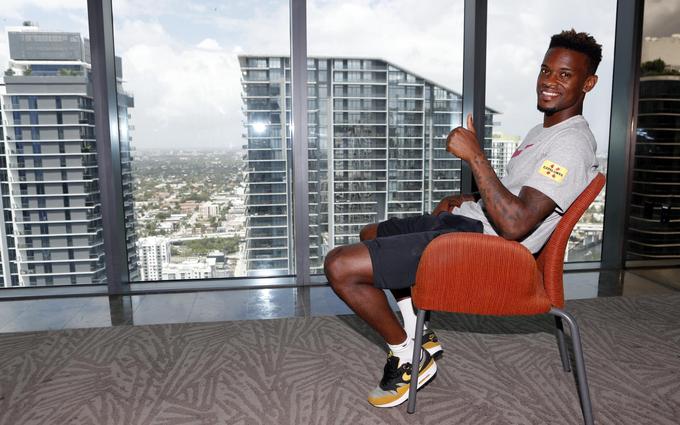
<point>563,82</point>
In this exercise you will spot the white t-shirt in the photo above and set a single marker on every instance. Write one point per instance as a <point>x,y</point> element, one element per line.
<point>558,161</point>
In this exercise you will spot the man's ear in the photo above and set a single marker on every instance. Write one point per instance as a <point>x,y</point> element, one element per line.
<point>591,80</point>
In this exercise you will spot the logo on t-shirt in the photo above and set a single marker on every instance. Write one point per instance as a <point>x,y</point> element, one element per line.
<point>553,171</point>
<point>518,152</point>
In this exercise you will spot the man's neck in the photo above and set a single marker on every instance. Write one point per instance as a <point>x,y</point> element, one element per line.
<point>550,120</point>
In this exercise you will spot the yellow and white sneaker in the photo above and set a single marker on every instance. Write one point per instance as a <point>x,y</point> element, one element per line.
<point>394,386</point>
<point>431,343</point>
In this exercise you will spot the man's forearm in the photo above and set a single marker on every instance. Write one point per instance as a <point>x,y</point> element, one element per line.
<point>504,208</point>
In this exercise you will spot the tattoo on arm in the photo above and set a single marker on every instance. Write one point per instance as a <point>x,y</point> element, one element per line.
<point>512,216</point>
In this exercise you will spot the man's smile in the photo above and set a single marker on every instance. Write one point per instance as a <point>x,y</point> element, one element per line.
<point>548,94</point>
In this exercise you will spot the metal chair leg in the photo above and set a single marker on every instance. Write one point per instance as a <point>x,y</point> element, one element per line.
<point>415,361</point>
<point>564,354</point>
<point>581,379</point>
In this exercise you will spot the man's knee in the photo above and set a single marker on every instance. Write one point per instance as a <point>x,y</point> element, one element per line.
<point>332,265</point>
<point>369,232</point>
<point>338,268</point>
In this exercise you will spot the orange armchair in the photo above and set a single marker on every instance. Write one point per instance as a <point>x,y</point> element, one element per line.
<point>489,275</point>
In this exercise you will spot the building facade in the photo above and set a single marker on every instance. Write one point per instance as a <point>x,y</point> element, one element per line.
<point>193,268</point>
<point>654,225</point>
<point>376,150</point>
<point>502,149</point>
<point>52,226</point>
<point>153,253</point>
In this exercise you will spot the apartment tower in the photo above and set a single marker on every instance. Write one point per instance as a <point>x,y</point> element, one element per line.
<point>52,226</point>
<point>376,150</point>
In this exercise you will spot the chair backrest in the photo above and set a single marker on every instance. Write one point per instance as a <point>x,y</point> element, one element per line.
<point>551,258</point>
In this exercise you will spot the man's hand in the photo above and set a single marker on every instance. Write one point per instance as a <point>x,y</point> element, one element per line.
<point>448,203</point>
<point>463,142</point>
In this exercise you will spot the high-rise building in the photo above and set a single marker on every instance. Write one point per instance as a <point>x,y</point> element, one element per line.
<point>52,233</point>
<point>153,253</point>
<point>654,227</point>
<point>502,149</point>
<point>376,150</point>
<point>192,268</point>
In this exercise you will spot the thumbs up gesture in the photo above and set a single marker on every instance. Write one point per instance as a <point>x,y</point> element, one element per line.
<point>463,143</point>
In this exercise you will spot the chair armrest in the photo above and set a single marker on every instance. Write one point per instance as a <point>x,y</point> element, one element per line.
<point>479,274</point>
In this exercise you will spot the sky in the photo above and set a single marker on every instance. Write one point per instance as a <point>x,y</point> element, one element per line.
<point>180,56</point>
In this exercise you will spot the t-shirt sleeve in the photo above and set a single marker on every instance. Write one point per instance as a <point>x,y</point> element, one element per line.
<point>565,169</point>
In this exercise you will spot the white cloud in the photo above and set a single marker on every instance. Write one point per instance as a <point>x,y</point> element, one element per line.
<point>185,96</point>
<point>425,38</point>
<point>18,9</point>
<point>209,44</point>
<point>661,18</point>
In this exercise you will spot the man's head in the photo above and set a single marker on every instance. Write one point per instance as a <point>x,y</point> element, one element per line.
<point>579,42</point>
<point>567,74</point>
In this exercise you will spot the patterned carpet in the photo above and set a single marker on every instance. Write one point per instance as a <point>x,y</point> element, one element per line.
<point>319,370</point>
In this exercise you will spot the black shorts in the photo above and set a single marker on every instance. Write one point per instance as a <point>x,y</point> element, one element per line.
<point>396,251</point>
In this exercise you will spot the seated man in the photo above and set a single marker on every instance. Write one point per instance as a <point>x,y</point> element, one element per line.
<point>551,167</point>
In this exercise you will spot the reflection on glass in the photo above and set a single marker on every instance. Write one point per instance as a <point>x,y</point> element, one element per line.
<point>518,34</point>
<point>653,232</point>
<point>206,148</point>
<point>51,228</point>
<point>380,106</point>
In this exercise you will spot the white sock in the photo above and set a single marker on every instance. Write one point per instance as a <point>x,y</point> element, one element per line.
<point>403,351</point>
<point>409,316</point>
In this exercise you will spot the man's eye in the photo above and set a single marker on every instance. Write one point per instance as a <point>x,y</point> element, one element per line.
<point>565,75</point>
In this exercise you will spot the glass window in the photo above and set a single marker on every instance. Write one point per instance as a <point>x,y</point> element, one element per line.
<point>45,68</point>
<point>518,36</point>
<point>653,225</point>
<point>205,146</point>
<point>381,121</point>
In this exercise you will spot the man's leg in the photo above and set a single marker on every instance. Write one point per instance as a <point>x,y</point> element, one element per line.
<point>369,232</point>
<point>350,273</point>
<point>405,303</point>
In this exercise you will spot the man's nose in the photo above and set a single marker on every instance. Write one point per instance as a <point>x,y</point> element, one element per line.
<point>549,79</point>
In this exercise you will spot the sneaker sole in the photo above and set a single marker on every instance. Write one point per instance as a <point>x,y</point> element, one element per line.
<point>423,378</point>
<point>434,348</point>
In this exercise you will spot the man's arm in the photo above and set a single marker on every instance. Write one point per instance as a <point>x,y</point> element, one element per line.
<point>513,216</point>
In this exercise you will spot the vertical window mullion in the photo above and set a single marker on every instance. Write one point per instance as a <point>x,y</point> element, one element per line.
<point>474,78</point>
<point>108,144</point>
<point>622,132</point>
<point>298,54</point>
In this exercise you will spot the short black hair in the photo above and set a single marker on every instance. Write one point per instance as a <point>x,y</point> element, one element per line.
<point>580,42</point>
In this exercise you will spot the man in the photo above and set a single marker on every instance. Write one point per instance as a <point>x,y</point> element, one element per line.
<point>551,167</point>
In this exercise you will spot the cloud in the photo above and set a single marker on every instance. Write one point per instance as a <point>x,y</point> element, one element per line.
<point>662,18</point>
<point>18,9</point>
<point>423,38</point>
<point>185,96</point>
<point>209,44</point>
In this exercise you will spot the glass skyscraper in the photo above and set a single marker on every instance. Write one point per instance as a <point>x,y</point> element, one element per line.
<point>52,227</point>
<point>376,150</point>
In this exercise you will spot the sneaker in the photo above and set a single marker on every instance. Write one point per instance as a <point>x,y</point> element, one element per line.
<point>431,343</point>
<point>394,386</point>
